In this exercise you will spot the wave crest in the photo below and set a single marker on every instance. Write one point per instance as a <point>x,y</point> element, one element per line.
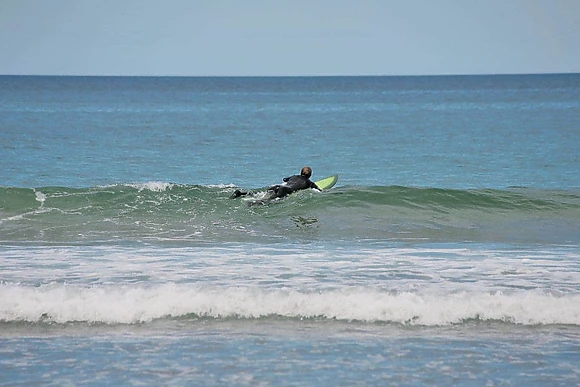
<point>131,305</point>
<point>162,211</point>
<point>155,186</point>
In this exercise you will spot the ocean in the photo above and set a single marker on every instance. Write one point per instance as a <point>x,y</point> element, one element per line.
<point>448,253</point>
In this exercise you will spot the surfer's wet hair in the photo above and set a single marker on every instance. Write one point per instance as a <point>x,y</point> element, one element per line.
<point>306,172</point>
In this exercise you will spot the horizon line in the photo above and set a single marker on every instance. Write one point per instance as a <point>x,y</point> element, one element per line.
<point>290,76</point>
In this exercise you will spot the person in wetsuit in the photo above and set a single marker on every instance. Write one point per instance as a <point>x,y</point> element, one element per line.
<point>294,183</point>
<point>291,184</point>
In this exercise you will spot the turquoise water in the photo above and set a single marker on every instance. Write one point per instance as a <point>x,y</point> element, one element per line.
<point>447,254</point>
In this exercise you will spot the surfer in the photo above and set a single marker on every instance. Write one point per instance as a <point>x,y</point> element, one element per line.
<point>291,184</point>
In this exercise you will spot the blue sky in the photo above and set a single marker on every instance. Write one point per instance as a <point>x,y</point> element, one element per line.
<point>314,37</point>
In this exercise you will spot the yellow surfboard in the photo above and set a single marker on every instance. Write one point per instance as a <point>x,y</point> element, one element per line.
<point>327,182</point>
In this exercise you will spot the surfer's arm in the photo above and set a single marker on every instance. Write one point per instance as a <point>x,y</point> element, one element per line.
<point>314,186</point>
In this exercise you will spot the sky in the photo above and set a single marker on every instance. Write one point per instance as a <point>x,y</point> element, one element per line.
<point>288,38</point>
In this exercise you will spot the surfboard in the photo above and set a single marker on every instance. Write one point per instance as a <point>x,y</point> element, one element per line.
<point>327,182</point>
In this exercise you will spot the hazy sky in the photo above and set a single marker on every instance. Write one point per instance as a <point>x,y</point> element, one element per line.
<point>295,37</point>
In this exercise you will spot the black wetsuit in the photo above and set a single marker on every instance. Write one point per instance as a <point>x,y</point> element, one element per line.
<point>292,183</point>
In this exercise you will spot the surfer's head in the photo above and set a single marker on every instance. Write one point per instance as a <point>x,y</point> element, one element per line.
<point>306,172</point>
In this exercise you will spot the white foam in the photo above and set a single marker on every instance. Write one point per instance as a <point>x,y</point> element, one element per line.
<point>40,197</point>
<point>430,286</point>
<point>155,186</point>
<point>401,269</point>
<point>136,304</point>
<point>221,186</point>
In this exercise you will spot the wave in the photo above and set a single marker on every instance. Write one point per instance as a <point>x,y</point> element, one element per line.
<point>58,303</point>
<point>155,195</point>
<point>168,211</point>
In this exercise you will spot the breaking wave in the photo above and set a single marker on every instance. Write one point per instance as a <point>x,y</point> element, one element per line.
<point>58,303</point>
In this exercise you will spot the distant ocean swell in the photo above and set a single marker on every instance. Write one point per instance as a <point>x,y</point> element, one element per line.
<point>164,211</point>
<point>118,304</point>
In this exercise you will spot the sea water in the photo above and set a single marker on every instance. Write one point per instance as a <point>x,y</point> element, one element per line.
<point>447,254</point>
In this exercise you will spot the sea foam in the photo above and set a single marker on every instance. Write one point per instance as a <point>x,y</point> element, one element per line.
<point>61,303</point>
<point>155,186</point>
